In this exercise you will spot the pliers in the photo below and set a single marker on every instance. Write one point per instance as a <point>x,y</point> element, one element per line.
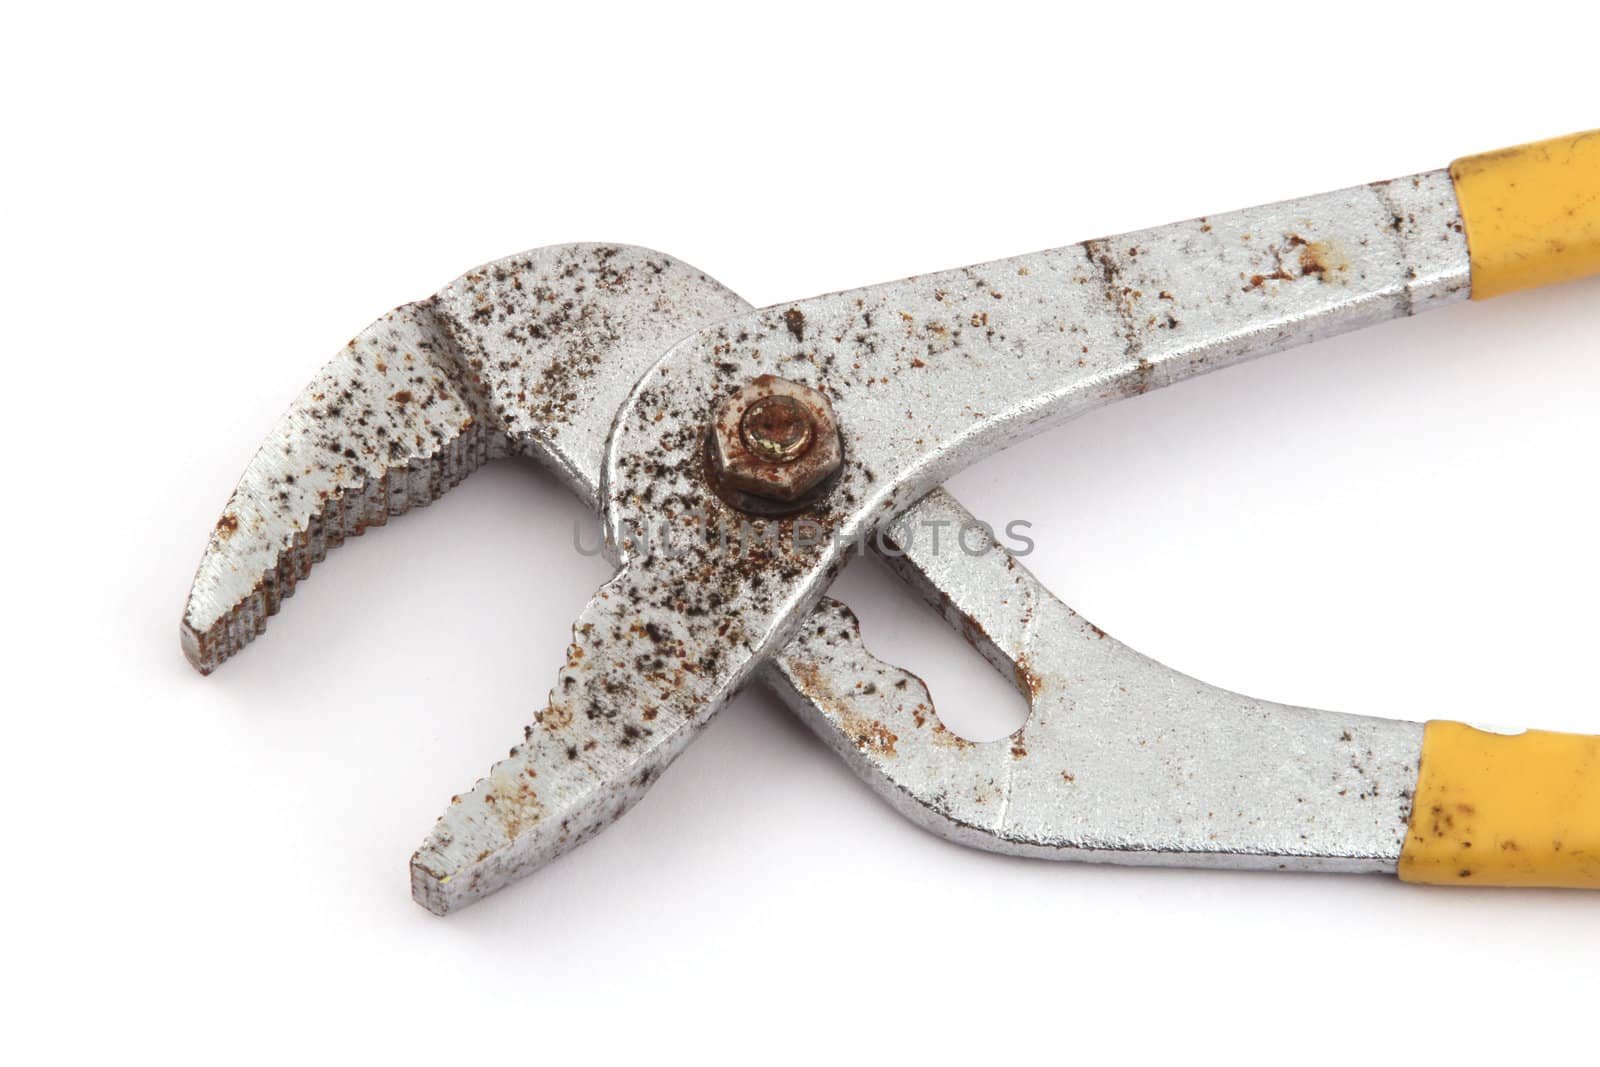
<point>737,457</point>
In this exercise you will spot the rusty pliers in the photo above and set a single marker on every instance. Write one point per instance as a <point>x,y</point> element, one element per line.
<point>808,428</point>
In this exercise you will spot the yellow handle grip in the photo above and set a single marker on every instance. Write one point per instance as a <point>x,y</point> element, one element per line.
<point>1532,213</point>
<point>1490,809</point>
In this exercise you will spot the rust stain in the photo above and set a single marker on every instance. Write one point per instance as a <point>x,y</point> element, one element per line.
<point>516,804</point>
<point>785,411</point>
<point>1028,680</point>
<point>868,735</point>
<point>945,739</point>
<point>795,320</point>
<point>555,717</point>
<point>1318,259</point>
<point>1258,280</point>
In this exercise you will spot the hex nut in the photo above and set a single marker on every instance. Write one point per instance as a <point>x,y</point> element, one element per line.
<point>773,446</point>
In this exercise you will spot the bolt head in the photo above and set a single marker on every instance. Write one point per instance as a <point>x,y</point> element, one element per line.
<point>773,446</point>
<point>777,429</point>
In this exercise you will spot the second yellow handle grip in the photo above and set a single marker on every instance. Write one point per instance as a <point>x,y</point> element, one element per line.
<point>1490,809</point>
<point>1532,213</point>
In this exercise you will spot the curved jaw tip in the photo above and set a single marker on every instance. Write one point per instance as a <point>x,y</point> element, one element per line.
<point>429,887</point>
<point>531,354</point>
<point>503,830</point>
<point>196,647</point>
<point>486,839</point>
<point>384,427</point>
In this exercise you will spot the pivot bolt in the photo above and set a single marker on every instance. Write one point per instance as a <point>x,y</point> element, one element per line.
<point>773,447</point>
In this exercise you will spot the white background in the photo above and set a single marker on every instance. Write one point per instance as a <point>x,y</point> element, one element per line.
<point>202,204</point>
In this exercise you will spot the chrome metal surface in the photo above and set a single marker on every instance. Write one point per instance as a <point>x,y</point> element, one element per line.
<point>1121,759</point>
<point>530,355</point>
<point>533,354</point>
<point>1023,342</point>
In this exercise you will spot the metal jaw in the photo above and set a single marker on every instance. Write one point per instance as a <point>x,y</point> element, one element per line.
<point>526,356</point>
<point>530,355</point>
<point>533,354</point>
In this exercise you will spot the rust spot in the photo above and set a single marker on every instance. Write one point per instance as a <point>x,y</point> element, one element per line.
<point>811,678</point>
<point>517,806</point>
<point>868,735</point>
<point>1312,261</point>
<point>555,717</point>
<point>1028,680</point>
<point>403,397</point>
<point>1317,258</point>
<point>1258,280</point>
<point>228,524</point>
<point>795,320</point>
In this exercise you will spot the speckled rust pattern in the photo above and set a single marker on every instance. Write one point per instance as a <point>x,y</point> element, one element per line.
<point>534,354</point>
<point>530,354</point>
<point>923,375</point>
